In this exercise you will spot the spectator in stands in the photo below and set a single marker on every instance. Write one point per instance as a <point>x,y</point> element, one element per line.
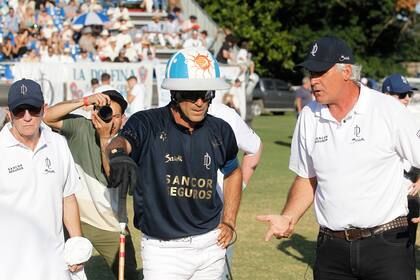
<point>20,48</point>
<point>179,17</point>
<point>160,6</point>
<point>29,18</point>
<point>31,56</point>
<point>21,9</point>
<point>43,48</point>
<point>103,39</point>
<point>137,45</point>
<point>194,41</point>
<point>111,51</point>
<point>243,58</point>
<point>188,26</point>
<point>52,57</point>
<point>154,31</point>
<point>120,11</point>
<point>171,31</point>
<point>105,79</point>
<point>147,50</point>
<point>121,57</point>
<point>70,9</point>
<point>66,33</point>
<point>87,41</point>
<point>148,5</point>
<point>123,37</point>
<point>66,57</point>
<point>130,52</point>
<point>84,56</point>
<point>225,53</point>
<point>11,21</point>
<point>206,41</point>
<point>43,18</point>
<point>135,95</point>
<point>7,49</point>
<point>231,98</point>
<point>47,30</point>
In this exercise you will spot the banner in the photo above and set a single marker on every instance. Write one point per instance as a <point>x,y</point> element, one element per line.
<point>80,75</point>
<point>229,73</point>
<point>70,81</point>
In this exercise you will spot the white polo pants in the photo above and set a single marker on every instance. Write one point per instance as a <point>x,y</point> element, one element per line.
<point>192,258</point>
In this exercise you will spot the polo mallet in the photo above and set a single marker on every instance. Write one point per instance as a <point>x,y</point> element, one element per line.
<point>122,218</point>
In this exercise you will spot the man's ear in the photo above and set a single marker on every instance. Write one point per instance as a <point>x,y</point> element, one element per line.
<point>347,71</point>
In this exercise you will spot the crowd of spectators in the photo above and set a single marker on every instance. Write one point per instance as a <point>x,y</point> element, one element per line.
<point>43,31</point>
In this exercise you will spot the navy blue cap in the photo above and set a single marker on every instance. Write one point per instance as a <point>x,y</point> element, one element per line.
<point>25,92</point>
<point>396,83</point>
<point>325,52</point>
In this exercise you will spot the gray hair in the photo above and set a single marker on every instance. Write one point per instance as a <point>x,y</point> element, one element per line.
<point>356,71</point>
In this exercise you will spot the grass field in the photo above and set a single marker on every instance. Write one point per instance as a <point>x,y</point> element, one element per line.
<point>253,257</point>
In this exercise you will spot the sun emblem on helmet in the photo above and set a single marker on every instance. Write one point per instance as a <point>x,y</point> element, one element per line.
<point>201,62</point>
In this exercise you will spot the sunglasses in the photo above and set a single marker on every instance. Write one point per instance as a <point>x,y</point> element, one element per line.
<point>20,111</point>
<point>194,95</point>
<point>403,95</point>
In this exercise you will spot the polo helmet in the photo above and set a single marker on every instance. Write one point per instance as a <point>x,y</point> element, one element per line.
<point>193,69</point>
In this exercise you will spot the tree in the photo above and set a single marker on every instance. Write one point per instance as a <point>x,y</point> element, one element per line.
<point>382,33</point>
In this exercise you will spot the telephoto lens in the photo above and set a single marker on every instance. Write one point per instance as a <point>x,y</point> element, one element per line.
<point>105,113</point>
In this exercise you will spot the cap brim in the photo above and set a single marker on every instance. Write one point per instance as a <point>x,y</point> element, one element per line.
<point>194,84</point>
<point>314,66</point>
<point>26,101</point>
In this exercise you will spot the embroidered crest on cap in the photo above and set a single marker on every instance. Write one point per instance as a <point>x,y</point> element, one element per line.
<point>23,89</point>
<point>314,49</point>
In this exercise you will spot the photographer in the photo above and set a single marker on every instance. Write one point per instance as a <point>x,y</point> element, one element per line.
<point>87,140</point>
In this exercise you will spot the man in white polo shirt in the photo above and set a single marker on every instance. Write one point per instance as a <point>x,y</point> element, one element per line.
<point>348,150</point>
<point>38,180</point>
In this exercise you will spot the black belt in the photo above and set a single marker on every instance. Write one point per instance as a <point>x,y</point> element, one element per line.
<point>353,234</point>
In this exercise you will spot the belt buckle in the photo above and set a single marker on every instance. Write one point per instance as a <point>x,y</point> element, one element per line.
<point>347,235</point>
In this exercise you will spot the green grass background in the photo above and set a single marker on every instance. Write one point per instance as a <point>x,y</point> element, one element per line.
<point>266,193</point>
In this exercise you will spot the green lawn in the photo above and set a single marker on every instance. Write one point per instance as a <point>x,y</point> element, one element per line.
<point>253,257</point>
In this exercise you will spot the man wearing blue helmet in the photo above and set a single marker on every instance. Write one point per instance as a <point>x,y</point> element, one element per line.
<point>170,157</point>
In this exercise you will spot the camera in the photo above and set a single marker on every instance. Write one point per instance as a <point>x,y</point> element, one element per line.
<point>105,113</point>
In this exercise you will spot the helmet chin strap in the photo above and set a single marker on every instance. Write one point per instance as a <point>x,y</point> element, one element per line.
<point>175,99</point>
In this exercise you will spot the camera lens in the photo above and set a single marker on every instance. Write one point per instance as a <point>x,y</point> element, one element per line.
<point>105,113</point>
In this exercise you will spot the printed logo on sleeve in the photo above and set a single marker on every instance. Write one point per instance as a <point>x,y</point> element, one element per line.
<point>418,134</point>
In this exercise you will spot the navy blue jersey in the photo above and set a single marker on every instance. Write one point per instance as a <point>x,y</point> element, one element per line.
<point>176,194</point>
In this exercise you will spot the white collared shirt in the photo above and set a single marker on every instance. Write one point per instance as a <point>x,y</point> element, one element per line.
<point>358,162</point>
<point>32,186</point>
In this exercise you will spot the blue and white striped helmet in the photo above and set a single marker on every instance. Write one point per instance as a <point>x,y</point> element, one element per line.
<point>193,69</point>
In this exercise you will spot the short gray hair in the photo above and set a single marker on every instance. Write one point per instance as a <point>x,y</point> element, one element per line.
<point>356,71</point>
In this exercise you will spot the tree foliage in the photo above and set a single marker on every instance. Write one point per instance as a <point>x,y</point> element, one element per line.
<point>381,33</point>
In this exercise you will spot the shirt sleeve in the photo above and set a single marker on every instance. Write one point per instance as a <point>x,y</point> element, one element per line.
<point>407,136</point>
<point>300,160</point>
<point>72,182</point>
<point>231,161</point>
<point>247,140</point>
<point>134,132</point>
<point>71,125</point>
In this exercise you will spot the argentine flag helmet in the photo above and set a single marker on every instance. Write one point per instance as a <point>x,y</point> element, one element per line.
<point>193,69</point>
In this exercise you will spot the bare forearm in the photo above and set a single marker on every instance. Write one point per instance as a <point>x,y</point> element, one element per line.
<point>299,104</point>
<point>71,217</point>
<point>300,197</point>
<point>57,112</point>
<point>105,161</point>
<point>249,165</point>
<point>232,189</point>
